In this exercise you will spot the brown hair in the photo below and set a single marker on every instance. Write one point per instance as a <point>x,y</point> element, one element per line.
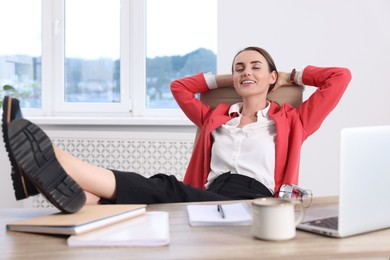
<point>266,55</point>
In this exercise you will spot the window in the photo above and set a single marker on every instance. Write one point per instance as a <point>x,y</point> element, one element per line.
<point>181,42</point>
<point>105,57</point>
<point>92,59</point>
<point>20,52</point>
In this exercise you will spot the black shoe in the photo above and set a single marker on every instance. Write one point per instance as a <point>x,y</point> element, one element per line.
<point>22,186</point>
<point>33,151</point>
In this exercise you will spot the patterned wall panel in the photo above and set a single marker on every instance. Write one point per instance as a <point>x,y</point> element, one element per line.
<point>146,157</point>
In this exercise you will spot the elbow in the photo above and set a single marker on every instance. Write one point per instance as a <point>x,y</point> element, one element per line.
<point>347,74</point>
<point>174,85</point>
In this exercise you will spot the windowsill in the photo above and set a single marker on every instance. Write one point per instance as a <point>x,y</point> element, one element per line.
<point>110,121</point>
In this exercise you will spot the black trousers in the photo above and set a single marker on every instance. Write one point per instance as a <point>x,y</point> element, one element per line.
<point>133,188</point>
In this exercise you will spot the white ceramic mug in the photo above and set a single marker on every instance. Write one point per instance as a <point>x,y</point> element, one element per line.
<point>274,218</point>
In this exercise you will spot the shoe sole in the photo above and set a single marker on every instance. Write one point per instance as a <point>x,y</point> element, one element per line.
<point>33,151</point>
<point>22,186</point>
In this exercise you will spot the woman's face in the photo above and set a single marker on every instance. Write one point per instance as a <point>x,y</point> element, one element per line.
<point>251,74</point>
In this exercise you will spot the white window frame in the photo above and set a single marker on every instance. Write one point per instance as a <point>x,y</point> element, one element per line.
<point>132,80</point>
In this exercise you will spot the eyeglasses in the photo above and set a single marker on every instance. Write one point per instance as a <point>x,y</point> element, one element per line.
<point>293,192</point>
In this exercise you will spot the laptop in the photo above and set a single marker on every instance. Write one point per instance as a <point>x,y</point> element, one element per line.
<point>364,196</point>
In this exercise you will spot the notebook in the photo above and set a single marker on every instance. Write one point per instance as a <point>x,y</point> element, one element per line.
<point>89,217</point>
<point>150,229</point>
<point>364,186</point>
<point>211,215</point>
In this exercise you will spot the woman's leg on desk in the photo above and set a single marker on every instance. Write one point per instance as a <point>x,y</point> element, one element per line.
<point>69,182</point>
<point>128,187</point>
<point>97,182</point>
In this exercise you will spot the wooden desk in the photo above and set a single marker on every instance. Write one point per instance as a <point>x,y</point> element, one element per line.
<point>197,243</point>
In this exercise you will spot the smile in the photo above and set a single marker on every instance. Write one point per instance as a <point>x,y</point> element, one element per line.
<point>244,82</point>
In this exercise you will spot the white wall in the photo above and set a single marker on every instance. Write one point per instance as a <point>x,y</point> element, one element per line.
<point>349,33</point>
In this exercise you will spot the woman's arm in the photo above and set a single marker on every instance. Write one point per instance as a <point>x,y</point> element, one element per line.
<point>331,82</point>
<point>284,79</point>
<point>224,81</point>
<point>184,91</point>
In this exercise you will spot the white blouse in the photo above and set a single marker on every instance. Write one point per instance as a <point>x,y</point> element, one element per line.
<point>248,151</point>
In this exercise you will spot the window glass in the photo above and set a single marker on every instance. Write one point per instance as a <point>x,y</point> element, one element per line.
<point>181,41</point>
<point>20,51</point>
<point>92,51</point>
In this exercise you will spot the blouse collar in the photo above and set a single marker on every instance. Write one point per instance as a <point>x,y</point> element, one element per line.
<point>235,110</point>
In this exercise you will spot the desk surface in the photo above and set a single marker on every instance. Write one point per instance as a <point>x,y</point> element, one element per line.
<point>235,242</point>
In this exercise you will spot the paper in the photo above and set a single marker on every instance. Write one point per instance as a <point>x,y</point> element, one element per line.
<point>208,215</point>
<point>88,218</point>
<point>150,229</point>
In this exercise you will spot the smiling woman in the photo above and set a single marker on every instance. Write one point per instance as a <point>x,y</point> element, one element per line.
<point>254,67</point>
<point>232,158</point>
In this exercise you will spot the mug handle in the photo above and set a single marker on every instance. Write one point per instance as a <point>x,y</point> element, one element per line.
<point>302,211</point>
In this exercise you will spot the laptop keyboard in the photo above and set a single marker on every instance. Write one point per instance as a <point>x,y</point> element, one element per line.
<point>331,223</point>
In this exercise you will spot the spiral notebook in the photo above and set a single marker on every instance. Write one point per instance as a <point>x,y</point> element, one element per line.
<point>210,215</point>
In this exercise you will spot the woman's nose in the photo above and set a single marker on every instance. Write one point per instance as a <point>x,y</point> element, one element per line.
<point>246,73</point>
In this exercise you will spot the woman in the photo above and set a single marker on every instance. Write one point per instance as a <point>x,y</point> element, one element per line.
<point>244,151</point>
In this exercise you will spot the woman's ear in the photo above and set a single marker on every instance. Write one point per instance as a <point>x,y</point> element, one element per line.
<point>273,77</point>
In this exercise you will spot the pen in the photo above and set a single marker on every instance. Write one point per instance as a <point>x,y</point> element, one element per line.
<point>220,210</point>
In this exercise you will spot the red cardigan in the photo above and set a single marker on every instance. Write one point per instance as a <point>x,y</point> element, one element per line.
<point>293,125</point>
